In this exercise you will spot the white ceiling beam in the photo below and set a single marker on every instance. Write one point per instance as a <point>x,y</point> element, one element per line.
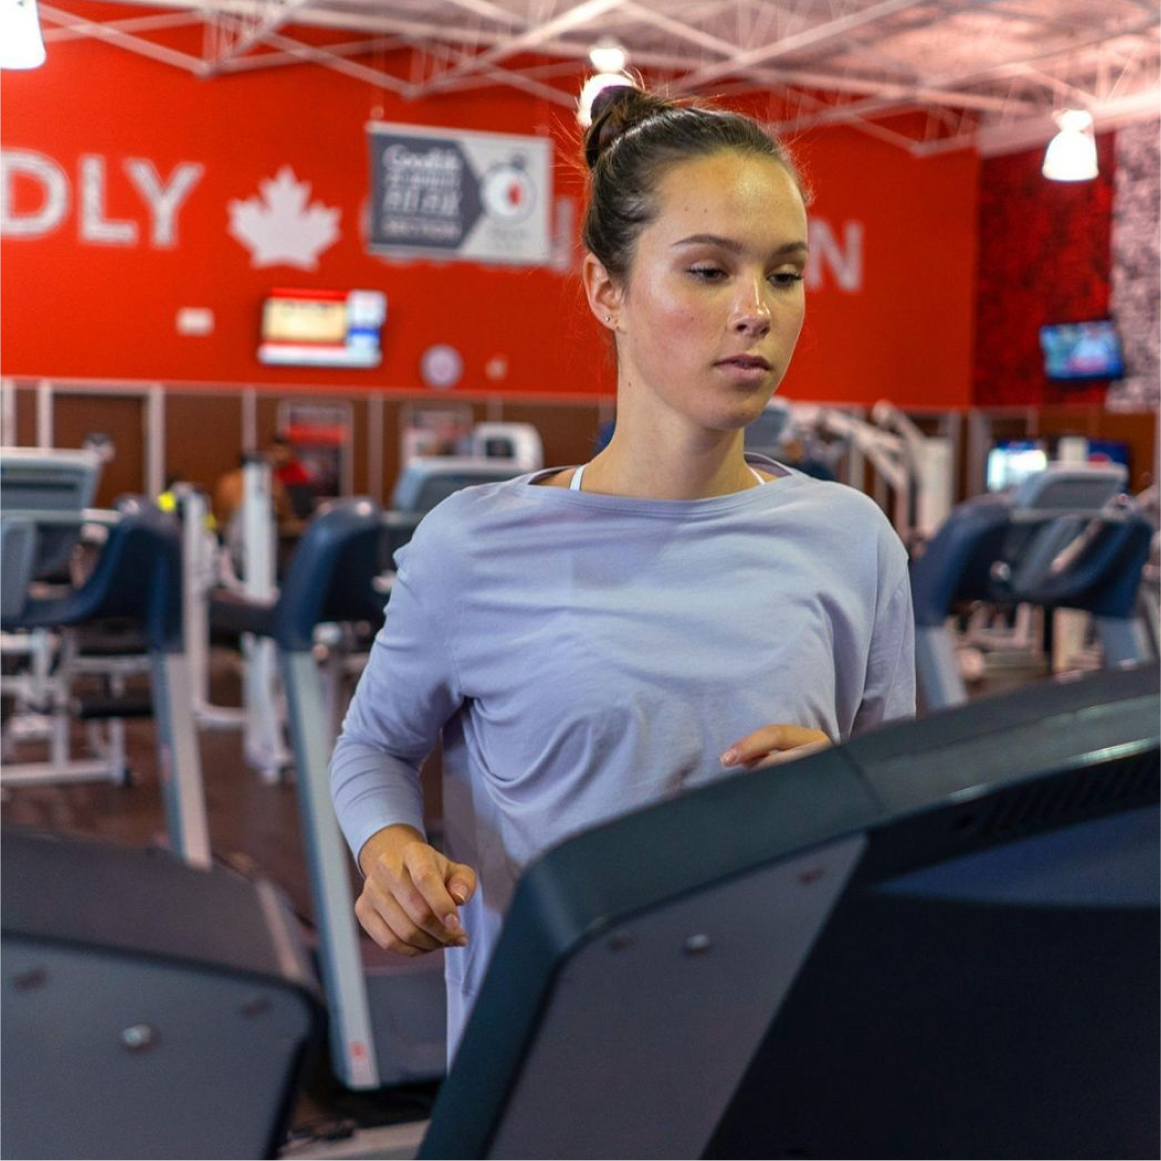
<point>1089,61</point>
<point>1034,15</point>
<point>314,54</point>
<point>338,64</point>
<point>1057,52</point>
<point>527,84</point>
<point>489,11</point>
<point>993,141</point>
<point>953,86</point>
<point>350,20</point>
<point>124,40</point>
<point>277,14</point>
<point>656,19</point>
<point>809,38</point>
<point>130,24</point>
<point>514,78</point>
<point>534,38</point>
<point>776,78</point>
<point>1035,132</point>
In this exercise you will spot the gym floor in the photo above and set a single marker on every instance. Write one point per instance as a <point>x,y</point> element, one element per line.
<point>254,829</point>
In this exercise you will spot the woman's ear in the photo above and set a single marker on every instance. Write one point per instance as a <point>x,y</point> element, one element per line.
<point>603,293</point>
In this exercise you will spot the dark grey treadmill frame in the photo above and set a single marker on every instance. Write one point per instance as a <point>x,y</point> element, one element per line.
<point>1091,745</point>
<point>114,918</point>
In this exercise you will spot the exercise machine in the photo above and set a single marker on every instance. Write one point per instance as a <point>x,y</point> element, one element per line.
<point>519,442</point>
<point>1061,539</point>
<point>246,562</point>
<point>150,1009</point>
<point>938,940</point>
<point>429,480</point>
<point>137,577</point>
<point>387,1015</point>
<point>913,472</point>
<point>45,497</point>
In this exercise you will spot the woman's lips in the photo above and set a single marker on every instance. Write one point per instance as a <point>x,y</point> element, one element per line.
<point>744,367</point>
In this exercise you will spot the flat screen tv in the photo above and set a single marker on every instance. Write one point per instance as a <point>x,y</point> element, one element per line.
<point>322,328</point>
<point>1012,461</point>
<point>1082,350</point>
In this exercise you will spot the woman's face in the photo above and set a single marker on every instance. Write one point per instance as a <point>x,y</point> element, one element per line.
<point>713,303</point>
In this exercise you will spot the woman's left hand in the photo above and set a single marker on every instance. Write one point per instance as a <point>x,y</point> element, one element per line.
<point>773,744</point>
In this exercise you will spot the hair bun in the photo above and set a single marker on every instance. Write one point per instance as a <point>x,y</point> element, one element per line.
<point>615,109</point>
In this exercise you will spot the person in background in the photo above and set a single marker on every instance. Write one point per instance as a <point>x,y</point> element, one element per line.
<point>595,638</point>
<point>289,480</point>
<point>293,485</point>
<point>229,492</point>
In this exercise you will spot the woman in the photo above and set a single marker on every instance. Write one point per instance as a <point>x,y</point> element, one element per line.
<point>594,639</point>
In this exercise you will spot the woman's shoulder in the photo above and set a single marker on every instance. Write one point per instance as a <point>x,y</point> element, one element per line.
<point>839,499</point>
<point>471,511</point>
<point>831,511</point>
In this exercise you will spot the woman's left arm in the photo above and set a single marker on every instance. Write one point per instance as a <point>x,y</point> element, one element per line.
<point>889,688</point>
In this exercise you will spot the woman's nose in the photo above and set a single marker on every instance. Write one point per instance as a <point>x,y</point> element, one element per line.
<point>752,312</point>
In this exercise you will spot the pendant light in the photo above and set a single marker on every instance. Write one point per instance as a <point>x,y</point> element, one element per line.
<point>1071,155</point>
<point>609,59</point>
<point>21,45</point>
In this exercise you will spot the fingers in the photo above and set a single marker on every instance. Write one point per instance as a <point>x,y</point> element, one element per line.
<point>390,926</point>
<point>777,757</point>
<point>410,899</point>
<point>773,744</point>
<point>422,892</point>
<point>461,882</point>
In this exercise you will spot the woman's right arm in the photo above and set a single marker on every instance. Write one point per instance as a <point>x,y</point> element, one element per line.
<point>405,695</point>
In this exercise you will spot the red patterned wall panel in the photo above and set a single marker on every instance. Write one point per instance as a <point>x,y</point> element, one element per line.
<point>1044,257</point>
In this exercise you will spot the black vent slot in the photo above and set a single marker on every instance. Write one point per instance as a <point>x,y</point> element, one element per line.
<point>1071,797</point>
<point>954,829</point>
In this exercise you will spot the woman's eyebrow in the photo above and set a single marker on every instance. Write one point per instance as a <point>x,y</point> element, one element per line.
<point>736,247</point>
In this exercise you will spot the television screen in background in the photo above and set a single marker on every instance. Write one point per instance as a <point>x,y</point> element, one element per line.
<point>1011,461</point>
<point>1082,350</point>
<point>323,328</point>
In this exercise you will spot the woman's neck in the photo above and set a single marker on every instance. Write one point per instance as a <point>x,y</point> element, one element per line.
<point>711,464</point>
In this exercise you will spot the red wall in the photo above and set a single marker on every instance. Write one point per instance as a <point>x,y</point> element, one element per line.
<point>78,309</point>
<point>1044,258</point>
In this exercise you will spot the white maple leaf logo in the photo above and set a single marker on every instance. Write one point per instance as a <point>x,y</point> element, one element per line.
<point>280,228</point>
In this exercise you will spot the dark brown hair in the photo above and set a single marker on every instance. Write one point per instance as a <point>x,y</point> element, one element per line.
<point>635,136</point>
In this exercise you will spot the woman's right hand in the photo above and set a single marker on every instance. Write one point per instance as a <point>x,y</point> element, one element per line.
<point>411,893</point>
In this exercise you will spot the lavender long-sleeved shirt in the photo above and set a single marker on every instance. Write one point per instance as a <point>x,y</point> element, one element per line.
<point>585,655</point>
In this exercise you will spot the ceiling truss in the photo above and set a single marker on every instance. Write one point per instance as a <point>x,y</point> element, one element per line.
<point>926,75</point>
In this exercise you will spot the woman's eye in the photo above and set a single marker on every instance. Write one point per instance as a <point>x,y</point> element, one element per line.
<point>786,277</point>
<point>707,273</point>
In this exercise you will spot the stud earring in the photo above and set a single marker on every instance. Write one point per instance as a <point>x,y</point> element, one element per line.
<point>608,318</point>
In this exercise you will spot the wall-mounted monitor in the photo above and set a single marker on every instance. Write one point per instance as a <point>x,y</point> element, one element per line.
<point>1011,461</point>
<point>1082,350</point>
<point>322,328</point>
